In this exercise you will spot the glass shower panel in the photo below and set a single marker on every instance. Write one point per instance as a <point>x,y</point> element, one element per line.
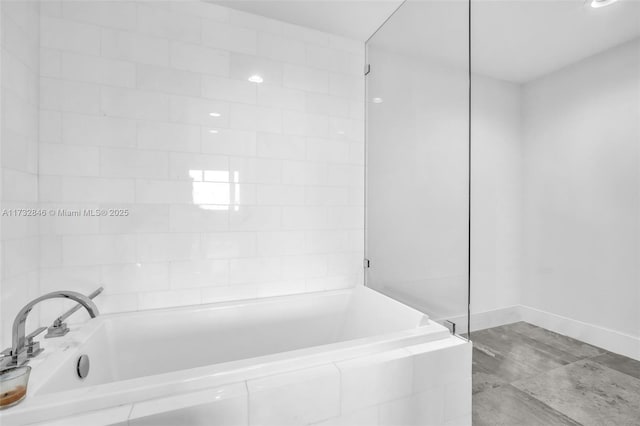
<point>418,159</point>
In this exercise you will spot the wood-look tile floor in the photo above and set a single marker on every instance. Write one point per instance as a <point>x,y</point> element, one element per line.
<point>526,375</point>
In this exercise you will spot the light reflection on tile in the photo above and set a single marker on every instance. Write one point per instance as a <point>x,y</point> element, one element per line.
<point>216,189</point>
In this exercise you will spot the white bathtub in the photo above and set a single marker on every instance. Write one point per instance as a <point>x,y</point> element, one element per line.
<point>154,363</point>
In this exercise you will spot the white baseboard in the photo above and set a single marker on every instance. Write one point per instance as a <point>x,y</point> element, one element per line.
<point>611,340</point>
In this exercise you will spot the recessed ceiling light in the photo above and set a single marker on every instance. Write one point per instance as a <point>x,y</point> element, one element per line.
<point>215,114</point>
<point>214,131</point>
<point>256,79</point>
<point>377,100</point>
<point>601,3</point>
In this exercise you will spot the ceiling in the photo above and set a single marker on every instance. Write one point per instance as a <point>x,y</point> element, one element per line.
<point>513,40</point>
<point>516,40</point>
<point>522,40</point>
<point>356,19</point>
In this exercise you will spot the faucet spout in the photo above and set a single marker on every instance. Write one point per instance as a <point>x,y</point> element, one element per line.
<point>18,349</point>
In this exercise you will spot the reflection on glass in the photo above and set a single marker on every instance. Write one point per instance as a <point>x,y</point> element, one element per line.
<point>601,3</point>
<point>215,190</point>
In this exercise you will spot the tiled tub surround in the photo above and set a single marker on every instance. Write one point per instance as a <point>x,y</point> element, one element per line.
<point>235,189</point>
<point>350,357</point>
<point>19,158</point>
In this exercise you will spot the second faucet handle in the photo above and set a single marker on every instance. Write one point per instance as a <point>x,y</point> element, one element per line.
<point>58,329</point>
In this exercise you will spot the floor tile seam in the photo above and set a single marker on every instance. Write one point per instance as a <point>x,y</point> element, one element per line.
<point>614,369</point>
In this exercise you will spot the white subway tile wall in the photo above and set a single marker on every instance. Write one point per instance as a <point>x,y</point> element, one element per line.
<point>234,188</point>
<point>19,91</point>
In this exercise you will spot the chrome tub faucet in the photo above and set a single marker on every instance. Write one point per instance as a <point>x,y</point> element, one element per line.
<point>22,347</point>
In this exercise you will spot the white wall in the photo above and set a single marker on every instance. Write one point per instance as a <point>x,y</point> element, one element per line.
<point>556,233</point>
<point>496,238</point>
<point>19,159</point>
<point>556,189</point>
<point>272,203</point>
<point>582,190</point>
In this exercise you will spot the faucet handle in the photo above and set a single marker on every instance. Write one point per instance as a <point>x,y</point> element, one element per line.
<point>6,359</point>
<point>33,348</point>
<point>58,329</point>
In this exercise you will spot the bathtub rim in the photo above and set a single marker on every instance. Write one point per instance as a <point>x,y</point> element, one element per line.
<point>80,333</point>
<point>55,349</point>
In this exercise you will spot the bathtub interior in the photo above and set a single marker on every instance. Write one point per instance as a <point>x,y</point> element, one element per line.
<point>133,345</point>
